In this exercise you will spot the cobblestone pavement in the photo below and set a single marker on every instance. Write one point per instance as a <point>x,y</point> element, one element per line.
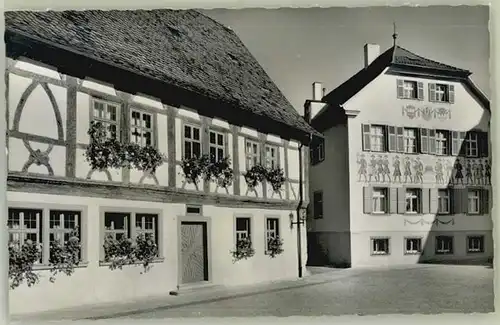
<point>429,290</point>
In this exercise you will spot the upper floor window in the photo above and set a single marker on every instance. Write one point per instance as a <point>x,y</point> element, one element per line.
<point>141,128</point>
<point>192,141</point>
<point>413,200</point>
<point>443,201</point>
<point>374,137</point>
<point>442,142</point>
<point>318,204</point>
<point>252,153</point>
<point>379,200</point>
<point>410,89</point>
<point>271,156</point>
<point>108,114</point>
<point>471,144</point>
<point>410,140</point>
<point>217,146</point>
<point>317,152</point>
<point>441,93</point>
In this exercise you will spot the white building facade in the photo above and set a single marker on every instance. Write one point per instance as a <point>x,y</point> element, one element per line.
<point>52,187</point>
<point>403,174</point>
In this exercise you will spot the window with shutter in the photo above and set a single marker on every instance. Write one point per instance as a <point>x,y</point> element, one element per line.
<point>425,200</point>
<point>420,91</point>
<point>365,129</point>
<point>483,144</point>
<point>401,200</point>
<point>424,141</point>
<point>432,92</point>
<point>367,199</point>
<point>400,139</point>
<point>432,141</point>
<point>461,140</point>
<point>485,198</point>
<point>393,198</point>
<point>391,134</point>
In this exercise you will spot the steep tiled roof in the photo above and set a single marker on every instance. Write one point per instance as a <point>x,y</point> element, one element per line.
<point>398,58</point>
<point>180,47</point>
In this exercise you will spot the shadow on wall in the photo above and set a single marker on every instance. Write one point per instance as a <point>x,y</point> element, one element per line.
<point>461,228</point>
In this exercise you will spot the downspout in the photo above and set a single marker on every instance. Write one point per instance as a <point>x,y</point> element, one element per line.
<point>299,207</point>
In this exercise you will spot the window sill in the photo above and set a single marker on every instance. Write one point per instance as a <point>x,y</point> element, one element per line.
<point>413,253</point>
<point>376,213</point>
<point>155,261</point>
<point>473,213</point>
<point>475,252</point>
<point>380,254</point>
<point>413,214</point>
<point>44,267</point>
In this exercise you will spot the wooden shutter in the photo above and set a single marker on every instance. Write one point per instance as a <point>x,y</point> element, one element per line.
<point>400,88</point>
<point>464,197</point>
<point>400,139</point>
<point>401,200</point>
<point>425,199</point>
<point>367,199</point>
<point>432,92</point>
<point>461,143</point>
<point>451,94</point>
<point>457,201</point>
<point>483,144</point>
<point>455,146</point>
<point>432,141</point>
<point>433,201</point>
<point>393,200</point>
<point>420,90</point>
<point>485,200</point>
<point>424,141</point>
<point>365,129</point>
<point>391,136</point>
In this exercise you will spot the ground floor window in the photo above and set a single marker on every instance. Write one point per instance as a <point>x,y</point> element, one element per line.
<point>243,228</point>
<point>30,224</point>
<point>272,230</point>
<point>413,245</point>
<point>444,245</point>
<point>380,246</point>
<point>475,244</point>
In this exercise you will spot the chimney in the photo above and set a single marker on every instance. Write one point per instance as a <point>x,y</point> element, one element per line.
<point>317,91</point>
<point>372,51</point>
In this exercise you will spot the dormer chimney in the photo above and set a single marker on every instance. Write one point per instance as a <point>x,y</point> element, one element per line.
<point>317,91</point>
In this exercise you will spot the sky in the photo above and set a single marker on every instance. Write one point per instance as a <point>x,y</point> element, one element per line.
<point>297,47</point>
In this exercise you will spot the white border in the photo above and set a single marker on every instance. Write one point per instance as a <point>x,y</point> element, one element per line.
<point>236,4</point>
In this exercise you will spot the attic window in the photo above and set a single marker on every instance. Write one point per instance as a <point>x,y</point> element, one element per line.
<point>410,89</point>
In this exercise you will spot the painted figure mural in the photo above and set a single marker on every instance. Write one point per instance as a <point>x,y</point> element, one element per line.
<point>362,167</point>
<point>439,172</point>
<point>408,174</point>
<point>487,172</point>
<point>459,177</point>
<point>418,167</point>
<point>397,169</point>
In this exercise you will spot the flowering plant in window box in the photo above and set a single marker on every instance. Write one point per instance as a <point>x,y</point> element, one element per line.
<point>125,251</point>
<point>194,167</point>
<point>255,175</point>
<point>64,258</point>
<point>103,153</point>
<point>244,249</point>
<point>22,257</point>
<point>276,177</point>
<point>220,172</point>
<point>274,246</point>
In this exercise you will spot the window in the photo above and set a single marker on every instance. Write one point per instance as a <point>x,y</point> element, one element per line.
<point>318,205</point>
<point>410,140</point>
<point>443,201</point>
<point>107,114</point>
<point>272,230</point>
<point>413,245</point>
<point>141,128</point>
<point>193,209</point>
<point>413,200</point>
<point>473,201</point>
<point>379,199</point>
<point>243,228</point>
<point>444,245</point>
<point>119,225</point>
<point>192,141</point>
<point>29,224</point>
<point>410,89</point>
<point>321,152</point>
<point>217,146</point>
<point>271,156</point>
<point>471,144</point>
<point>380,246</point>
<point>62,224</point>
<point>441,93</point>
<point>317,152</point>
<point>252,153</point>
<point>442,142</point>
<point>377,138</point>
<point>475,244</point>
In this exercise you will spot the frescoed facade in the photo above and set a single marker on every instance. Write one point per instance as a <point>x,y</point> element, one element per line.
<point>404,173</point>
<point>175,81</point>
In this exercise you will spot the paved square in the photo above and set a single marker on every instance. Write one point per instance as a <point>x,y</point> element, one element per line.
<point>422,290</point>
